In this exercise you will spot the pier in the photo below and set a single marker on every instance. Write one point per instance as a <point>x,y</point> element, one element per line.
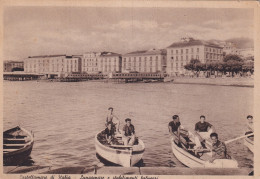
<point>126,170</point>
<point>21,76</point>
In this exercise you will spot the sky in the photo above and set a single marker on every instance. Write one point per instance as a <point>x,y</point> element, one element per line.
<point>32,31</point>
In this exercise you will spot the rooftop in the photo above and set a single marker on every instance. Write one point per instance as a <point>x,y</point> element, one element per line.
<point>109,54</point>
<point>192,42</point>
<point>148,52</point>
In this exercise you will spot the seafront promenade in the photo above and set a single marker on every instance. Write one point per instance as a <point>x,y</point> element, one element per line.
<point>227,81</point>
<point>125,170</point>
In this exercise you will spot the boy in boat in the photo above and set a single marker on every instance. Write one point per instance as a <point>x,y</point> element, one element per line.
<point>250,126</point>
<point>129,133</point>
<point>203,130</point>
<point>218,148</point>
<point>111,117</point>
<point>109,132</point>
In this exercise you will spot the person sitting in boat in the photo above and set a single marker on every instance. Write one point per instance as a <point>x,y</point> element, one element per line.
<point>177,131</point>
<point>129,133</point>
<point>250,126</point>
<point>109,132</point>
<point>218,148</point>
<point>203,129</point>
<point>111,117</point>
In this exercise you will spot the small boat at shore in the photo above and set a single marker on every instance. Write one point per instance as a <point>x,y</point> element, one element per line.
<point>199,158</point>
<point>249,142</point>
<point>126,156</point>
<point>17,145</point>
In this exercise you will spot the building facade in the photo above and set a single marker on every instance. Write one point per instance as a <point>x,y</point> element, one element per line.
<point>90,62</point>
<point>180,53</point>
<point>10,66</point>
<point>153,60</point>
<point>52,64</point>
<point>109,62</point>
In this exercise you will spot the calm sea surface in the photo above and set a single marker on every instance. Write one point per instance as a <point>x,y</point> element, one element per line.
<point>65,117</point>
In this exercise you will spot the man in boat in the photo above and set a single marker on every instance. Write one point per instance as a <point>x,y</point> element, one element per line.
<point>203,130</point>
<point>250,126</point>
<point>111,117</point>
<point>109,132</point>
<point>177,131</point>
<point>218,148</point>
<point>129,133</point>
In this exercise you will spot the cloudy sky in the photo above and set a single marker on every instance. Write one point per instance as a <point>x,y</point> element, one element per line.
<point>30,31</point>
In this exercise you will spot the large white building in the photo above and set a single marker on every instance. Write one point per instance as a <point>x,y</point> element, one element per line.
<point>153,60</point>
<point>90,62</point>
<point>52,64</point>
<point>109,62</point>
<point>180,54</point>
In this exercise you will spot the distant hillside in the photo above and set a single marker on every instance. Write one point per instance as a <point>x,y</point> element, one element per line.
<point>239,42</point>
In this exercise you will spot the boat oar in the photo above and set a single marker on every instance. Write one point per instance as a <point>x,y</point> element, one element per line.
<point>237,138</point>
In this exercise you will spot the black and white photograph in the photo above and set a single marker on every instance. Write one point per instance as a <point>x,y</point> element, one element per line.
<point>128,90</point>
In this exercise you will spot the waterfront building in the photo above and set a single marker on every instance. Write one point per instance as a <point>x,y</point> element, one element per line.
<point>52,64</point>
<point>10,66</point>
<point>180,53</point>
<point>109,62</point>
<point>90,62</point>
<point>229,48</point>
<point>246,52</point>
<point>153,60</point>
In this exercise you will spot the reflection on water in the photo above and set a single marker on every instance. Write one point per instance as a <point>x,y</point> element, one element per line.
<point>65,117</point>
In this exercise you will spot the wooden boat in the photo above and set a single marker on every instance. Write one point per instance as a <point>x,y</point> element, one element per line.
<point>199,158</point>
<point>126,156</point>
<point>17,145</point>
<point>249,142</point>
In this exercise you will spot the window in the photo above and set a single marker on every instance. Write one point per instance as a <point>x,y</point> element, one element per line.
<point>191,50</point>
<point>181,51</point>
<point>187,50</point>
<point>198,49</point>
<point>171,51</point>
<point>177,58</point>
<point>181,58</point>
<point>176,51</point>
<point>172,58</point>
<point>124,59</point>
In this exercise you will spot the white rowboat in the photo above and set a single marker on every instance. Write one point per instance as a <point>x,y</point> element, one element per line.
<point>249,143</point>
<point>188,158</point>
<point>126,156</point>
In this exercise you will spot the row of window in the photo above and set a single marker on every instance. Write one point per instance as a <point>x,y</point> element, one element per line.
<point>207,49</point>
<point>140,58</point>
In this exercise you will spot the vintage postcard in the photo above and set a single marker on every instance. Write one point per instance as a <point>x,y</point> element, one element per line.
<point>129,89</point>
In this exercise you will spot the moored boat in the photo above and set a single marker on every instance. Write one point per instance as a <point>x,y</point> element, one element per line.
<point>199,158</point>
<point>249,142</point>
<point>17,145</point>
<point>126,156</point>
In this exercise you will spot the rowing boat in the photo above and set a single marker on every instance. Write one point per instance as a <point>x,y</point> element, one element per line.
<point>17,145</point>
<point>126,156</point>
<point>249,142</point>
<point>199,158</point>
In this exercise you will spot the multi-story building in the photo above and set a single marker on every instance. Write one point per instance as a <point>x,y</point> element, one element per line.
<point>90,62</point>
<point>10,66</point>
<point>153,60</point>
<point>229,48</point>
<point>109,62</point>
<point>52,64</point>
<point>246,52</point>
<point>180,54</point>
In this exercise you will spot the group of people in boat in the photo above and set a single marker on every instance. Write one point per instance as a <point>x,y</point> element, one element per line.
<point>112,129</point>
<point>203,131</point>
